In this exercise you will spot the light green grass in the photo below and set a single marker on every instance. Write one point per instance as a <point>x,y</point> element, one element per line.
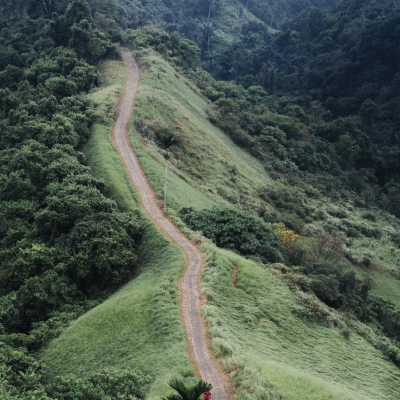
<point>380,251</point>
<point>228,20</point>
<point>139,326</point>
<point>386,285</point>
<point>100,151</point>
<point>179,192</point>
<point>278,351</point>
<point>207,156</point>
<point>271,352</point>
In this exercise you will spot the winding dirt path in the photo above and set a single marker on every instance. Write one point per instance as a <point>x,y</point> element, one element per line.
<point>190,299</point>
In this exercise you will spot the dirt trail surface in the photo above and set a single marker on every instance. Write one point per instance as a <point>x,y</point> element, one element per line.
<point>190,297</point>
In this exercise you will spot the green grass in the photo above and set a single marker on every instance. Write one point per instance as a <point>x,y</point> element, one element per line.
<point>272,350</point>
<point>277,353</point>
<point>139,326</point>
<point>100,150</point>
<point>385,285</point>
<point>179,192</point>
<point>207,157</point>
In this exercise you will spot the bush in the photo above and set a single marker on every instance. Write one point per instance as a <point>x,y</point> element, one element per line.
<point>395,237</point>
<point>326,288</point>
<point>109,384</point>
<point>235,229</point>
<point>370,216</point>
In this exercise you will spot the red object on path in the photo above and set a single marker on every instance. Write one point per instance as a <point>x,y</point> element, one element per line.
<point>207,395</point>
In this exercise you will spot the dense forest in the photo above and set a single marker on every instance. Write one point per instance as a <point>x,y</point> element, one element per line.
<point>310,88</point>
<point>63,244</point>
<point>331,78</point>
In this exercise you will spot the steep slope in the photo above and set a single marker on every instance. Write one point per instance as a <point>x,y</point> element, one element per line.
<point>257,325</point>
<point>207,159</point>
<point>139,327</point>
<point>264,335</point>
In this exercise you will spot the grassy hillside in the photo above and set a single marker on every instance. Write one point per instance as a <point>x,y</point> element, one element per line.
<point>257,324</point>
<point>139,326</point>
<point>270,349</point>
<point>100,150</point>
<point>207,159</point>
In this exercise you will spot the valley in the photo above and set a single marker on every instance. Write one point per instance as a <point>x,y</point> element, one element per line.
<point>273,271</point>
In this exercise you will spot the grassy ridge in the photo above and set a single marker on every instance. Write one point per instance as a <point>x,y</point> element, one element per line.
<point>269,348</point>
<point>100,150</point>
<point>270,351</point>
<point>208,160</point>
<point>139,326</point>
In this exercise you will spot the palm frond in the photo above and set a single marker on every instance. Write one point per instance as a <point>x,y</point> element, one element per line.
<point>187,392</point>
<point>179,386</point>
<point>172,397</point>
<point>200,388</point>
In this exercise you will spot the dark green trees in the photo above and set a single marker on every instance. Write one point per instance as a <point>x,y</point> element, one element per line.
<point>63,243</point>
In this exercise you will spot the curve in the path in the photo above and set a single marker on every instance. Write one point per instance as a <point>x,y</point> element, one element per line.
<point>190,301</point>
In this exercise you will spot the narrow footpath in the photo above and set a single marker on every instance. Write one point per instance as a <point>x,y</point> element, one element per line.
<point>190,297</point>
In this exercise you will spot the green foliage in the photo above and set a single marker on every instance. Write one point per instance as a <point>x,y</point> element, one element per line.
<point>19,372</point>
<point>23,377</point>
<point>104,249</point>
<point>235,229</point>
<point>182,52</point>
<point>63,243</point>
<point>185,392</point>
<point>110,384</point>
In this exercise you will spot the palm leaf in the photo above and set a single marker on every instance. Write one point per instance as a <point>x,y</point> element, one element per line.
<point>180,387</point>
<point>167,140</point>
<point>185,392</point>
<point>172,397</point>
<point>200,388</point>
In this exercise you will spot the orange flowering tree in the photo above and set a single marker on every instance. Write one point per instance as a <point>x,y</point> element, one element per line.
<point>287,237</point>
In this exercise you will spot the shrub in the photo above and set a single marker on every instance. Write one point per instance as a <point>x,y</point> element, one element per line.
<point>108,384</point>
<point>326,288</point>
<point>370,216</point>
<point>352,232</point>
<point>346,332</point>
<point>395,237</point>
<point>286,236</point>
<point>235,229</point>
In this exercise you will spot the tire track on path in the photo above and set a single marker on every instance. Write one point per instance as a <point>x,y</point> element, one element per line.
<point>190,301</point>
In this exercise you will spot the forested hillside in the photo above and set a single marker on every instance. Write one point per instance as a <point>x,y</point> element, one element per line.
<point>285,116</point>
<point>63,244</point>
<point>335,73</point>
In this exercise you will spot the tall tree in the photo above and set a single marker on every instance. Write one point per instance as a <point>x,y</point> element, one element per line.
<point>46,4</point>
